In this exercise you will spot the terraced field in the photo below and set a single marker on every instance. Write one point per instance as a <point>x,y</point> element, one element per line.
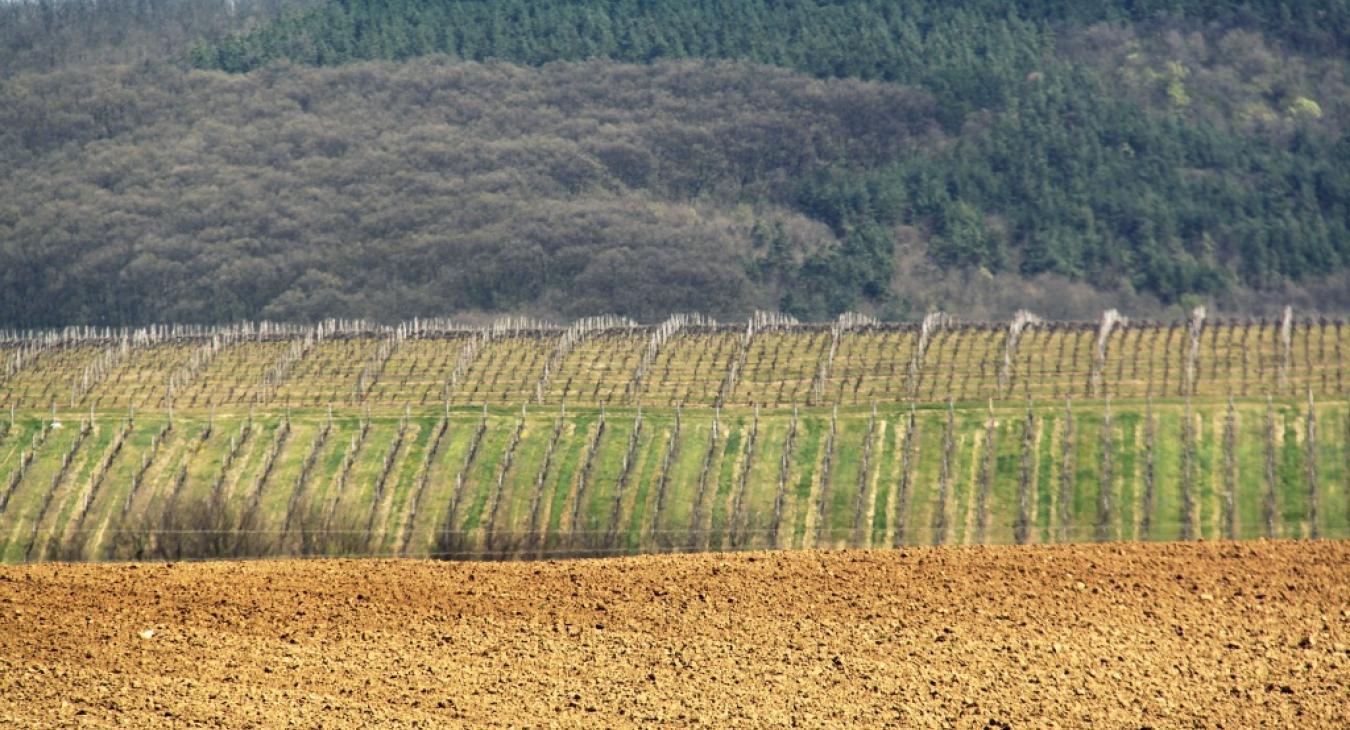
<point>518,440</point>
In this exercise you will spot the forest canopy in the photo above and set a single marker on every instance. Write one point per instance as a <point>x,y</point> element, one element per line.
<point>200,161</point>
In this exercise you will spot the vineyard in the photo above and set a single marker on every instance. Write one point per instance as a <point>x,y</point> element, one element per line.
<point>521,439</point>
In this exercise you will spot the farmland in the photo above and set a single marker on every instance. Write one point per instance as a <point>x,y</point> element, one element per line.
<point>520,439</point>
<point>1124,635</point>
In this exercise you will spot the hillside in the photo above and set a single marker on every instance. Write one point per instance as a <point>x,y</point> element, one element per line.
<point>420,189</point>
<point>687,361</point>
<point>519,441</point>
<point>565,158</point>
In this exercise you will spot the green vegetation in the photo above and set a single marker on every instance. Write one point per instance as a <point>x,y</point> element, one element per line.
<point>252,463</point>
<point>42,35</point>
<point>136,533</point>
<point>570,157</point>
<point>345,162</point>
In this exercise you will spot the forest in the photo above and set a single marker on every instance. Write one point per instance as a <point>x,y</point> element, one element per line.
<point>195,161</point>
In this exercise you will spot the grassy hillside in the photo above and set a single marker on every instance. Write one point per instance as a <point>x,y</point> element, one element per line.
<point>521,440</point>
<point>608,498</point>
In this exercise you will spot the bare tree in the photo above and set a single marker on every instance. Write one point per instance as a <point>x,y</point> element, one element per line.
<point>860,538</point>
<point>1188,472</point>
<point>625,476</point>
<point>1286,346</point>
<point>784,472</point>
<point>1068,476</point>
<point>451,541</point>
<point>826,483</point>
<point>1106,497</point>
<point>424,479</point>
<point>1020,322</point>
<point>908,453</point>
<point>1268,504</point>
<point>1022,526</point>
<point>493,542</point>
<point>696,532</point>
<point>1195,327</point>
<point>1110,320</point>
<point>944,477</point>
<point>1146,508</point>
<point>988,464</point>
<point>1314,491</point>
<point>655,533</point>
<point>1229,515</point>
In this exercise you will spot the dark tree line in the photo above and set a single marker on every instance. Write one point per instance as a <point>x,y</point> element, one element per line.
<point>892,40</point>
<point>41,35</point>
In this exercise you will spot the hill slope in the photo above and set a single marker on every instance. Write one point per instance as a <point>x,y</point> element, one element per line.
<point>990,158</point>
<point>504,443</point>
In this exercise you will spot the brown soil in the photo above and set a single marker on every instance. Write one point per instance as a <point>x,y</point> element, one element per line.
<point>1198,635</point>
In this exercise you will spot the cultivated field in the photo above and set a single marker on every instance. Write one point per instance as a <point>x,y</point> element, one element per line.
<point>684,362</point>
<point>519,440</point>
<point>1253,634</point>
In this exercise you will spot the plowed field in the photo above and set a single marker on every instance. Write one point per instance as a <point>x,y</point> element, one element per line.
<point>1129,635</point>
